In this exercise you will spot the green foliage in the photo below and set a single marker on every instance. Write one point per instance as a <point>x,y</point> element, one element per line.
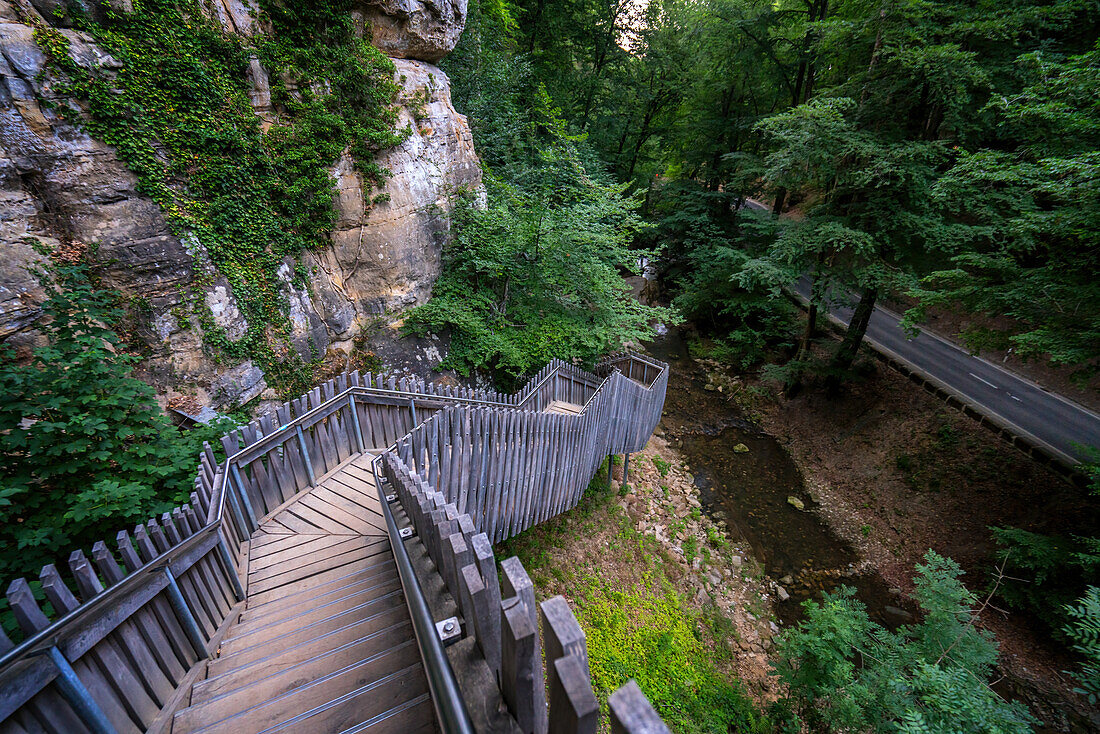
<point>85,447</point>
<point>176,108</point>
<point>1083,631</point>
<point>847,673</point>
<point>1045,573</point>
<point>535,273</point>
<point>662,466</point>
<point>653,639</point>
<point>722,286</point>
<point>1025,243</point>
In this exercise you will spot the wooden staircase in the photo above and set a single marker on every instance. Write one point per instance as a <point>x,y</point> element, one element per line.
<point>288,596</point>
<point>324,642</point>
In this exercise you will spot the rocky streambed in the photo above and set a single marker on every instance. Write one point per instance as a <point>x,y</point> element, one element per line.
<point>748,481</point>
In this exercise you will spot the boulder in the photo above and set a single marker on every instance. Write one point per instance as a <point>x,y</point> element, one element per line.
<point>413,29</point>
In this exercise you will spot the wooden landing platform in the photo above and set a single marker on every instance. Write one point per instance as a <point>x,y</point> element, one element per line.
<point>564,408</point>
<point>324,643</point>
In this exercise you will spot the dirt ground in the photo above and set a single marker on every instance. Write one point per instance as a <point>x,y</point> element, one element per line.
<point>896,472</point>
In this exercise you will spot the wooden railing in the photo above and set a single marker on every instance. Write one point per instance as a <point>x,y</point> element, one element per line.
<point>122,652</point>
<point>510,468</point>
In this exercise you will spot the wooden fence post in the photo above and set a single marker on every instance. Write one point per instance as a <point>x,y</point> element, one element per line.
<point>631,712</point>
<point>573,705</point>
<point>521,661</point>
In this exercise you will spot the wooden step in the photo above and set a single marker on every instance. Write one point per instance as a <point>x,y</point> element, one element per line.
<point>310,600</point>
<point>563,408</point>
<point>289,632</point>
<point>359,551</point>
<point>322,572</point>
<point>378,613</point>
<point>416,716</point>
<point>310,684</point>
<point>298,659</point>
<point>333,703</point>
<point>335,583</point>
<point>304,616</point>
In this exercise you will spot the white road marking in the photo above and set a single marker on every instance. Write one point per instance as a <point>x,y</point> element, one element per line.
<point>981,380</point>
<point>1016,398</point>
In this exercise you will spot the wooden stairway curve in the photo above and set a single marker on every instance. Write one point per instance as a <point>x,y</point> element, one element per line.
<point>324,642</point>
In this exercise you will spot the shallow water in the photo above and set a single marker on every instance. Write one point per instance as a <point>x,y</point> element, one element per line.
<point>750,490</point>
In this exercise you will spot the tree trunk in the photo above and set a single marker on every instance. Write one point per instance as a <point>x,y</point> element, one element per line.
<point>535,27</point>
<point>853,337</point>
<point>780,200</point>
<point>794,380</point>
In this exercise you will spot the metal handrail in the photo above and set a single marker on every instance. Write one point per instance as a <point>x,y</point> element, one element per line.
<point>447,700</point>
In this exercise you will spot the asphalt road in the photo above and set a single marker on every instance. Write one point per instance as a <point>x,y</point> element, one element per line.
<point>1025,408</point>
<point>1028,410</point>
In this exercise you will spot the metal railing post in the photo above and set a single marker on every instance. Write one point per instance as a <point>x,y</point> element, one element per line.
<point>78,696</point>
<point>626,469</point>
<point>355,419</point>
<point>227,561</point>
<point>186,616</point>
<point>236,474</point>
<point>412,407</point>
<point>305,455</point>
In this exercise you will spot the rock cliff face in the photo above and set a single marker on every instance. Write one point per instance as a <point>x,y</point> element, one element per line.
<point>58,186</point>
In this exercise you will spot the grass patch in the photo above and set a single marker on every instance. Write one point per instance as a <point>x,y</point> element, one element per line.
<point>620,586</point>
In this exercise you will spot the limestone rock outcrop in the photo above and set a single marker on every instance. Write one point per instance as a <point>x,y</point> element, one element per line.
<point>60,187</point>
<point>413,29</point>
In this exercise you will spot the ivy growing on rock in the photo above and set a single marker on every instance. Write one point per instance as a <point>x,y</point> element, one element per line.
<point>175,105</point>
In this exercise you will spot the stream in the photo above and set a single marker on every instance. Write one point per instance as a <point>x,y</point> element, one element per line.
<point>750,491</point>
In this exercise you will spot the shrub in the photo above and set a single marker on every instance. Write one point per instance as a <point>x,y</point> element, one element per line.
<point>847,673</point>
<point>85,447</point>
<point>1083,631</point>
<point>1046,573</point>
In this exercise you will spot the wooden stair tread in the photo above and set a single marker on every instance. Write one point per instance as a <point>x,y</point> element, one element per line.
<point>290,692</point>
<point>300,618</point>
<point>331,704</point>
<point>325,642</point>
<point>308,648</point>
<point>415,716</point>
<point>298,658</point>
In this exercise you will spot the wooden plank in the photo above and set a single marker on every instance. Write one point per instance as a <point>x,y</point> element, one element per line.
<point>256,645</point>
<point>145,623</point>
<point>292,547</point>
<point>332,582</point>
<point>361,505</point>
<point>335,510</point>
<point>301,509</point>
<point>300,575</point>
<point>107,657</point>
<point>291,566</point>
<point>631,712</point>
<point>573,705</point>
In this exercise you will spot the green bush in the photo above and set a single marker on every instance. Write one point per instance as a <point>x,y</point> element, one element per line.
<point>86,449</point>
<point>847,673</point>
<point>653,639</point>
<point>1083,631</point>
<point>1044,574</point>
